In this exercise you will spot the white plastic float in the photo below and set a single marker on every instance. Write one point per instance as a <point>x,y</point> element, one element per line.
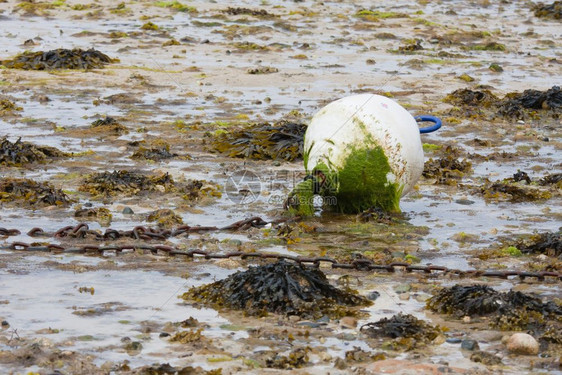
<point>361,151</point>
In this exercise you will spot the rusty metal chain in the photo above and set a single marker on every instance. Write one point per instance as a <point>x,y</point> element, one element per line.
<point>357,265</point>
<point>82,230</point>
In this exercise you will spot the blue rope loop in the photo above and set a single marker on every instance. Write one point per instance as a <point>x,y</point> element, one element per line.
<point>435,120</point>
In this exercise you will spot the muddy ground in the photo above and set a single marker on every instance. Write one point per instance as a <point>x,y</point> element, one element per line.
<point>191,73</point>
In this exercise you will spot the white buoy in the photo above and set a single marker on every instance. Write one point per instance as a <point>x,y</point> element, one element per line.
<point>360,151</point>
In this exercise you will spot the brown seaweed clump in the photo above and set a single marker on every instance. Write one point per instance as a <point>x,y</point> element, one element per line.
<point>282,140</point>
<point>18,153</point>
<point>507,311</point>
<point>548,243</point>
<point>157,150</point>
<point>7,106</point>
<point>281,288</point>
<point>100,214</point>
<point>553,11</point>
<point>513,191</point>
<point>165,218</point>
<point>61,58</point>
<point>296,359</point>
<point>125,182</point>
<point>448,168</point>
<point>249,12</point>
<point>406,330</point>
<point>551,179</point>
<point>31,192</point>
<point>110,126</point>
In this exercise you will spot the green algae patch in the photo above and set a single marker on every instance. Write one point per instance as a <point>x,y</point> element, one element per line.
<point>59,59</point>
<point>281,288</point>
<point>360,184</point>
<point>176,5</point>
<point>31,193</point>
<point>363,182</point>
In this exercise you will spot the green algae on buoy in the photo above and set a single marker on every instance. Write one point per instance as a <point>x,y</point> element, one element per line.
<point>360,151</point>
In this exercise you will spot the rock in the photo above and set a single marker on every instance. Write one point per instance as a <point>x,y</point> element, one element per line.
<point>469,345</point>
<point>485,358</point>
<point>466,319</point>
<point>404,296</point>
<point>128,211</point>
<point>340,364</point>
<point>453,340</point>
<point>522,343</point>
<point>348,322</point>
<point>373,295</point>
<point>403,288</point>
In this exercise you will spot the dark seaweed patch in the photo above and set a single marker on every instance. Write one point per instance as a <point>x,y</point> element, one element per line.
<point>18,153</point>
<point>59,59</point>
<point>551,179</point>
<point>281,288</point>
<point>283,140</point>
<point>402,326</point>
<point>31,192</point>
<point>507,311</point>
<point>515,105</point>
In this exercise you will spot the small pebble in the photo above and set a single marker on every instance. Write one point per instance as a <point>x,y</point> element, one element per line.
<point>164,334</point>
<point>523,343</point>
<point>453,340</point>
<point>466,319</point>
<point>348,322</point>
<point>469,345</point>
